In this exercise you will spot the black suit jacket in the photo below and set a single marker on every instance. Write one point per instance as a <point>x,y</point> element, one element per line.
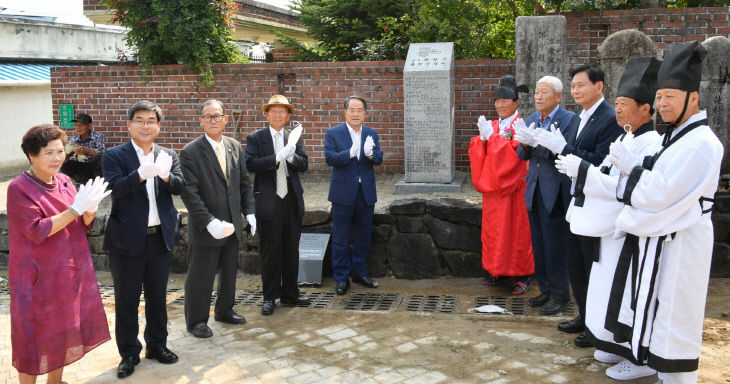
<point>208,195</point>
<point>126,226</point>
<point>261,159</point>
<point>595,138</point>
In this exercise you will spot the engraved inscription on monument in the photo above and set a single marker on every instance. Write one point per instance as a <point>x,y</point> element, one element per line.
<point>428,93</point>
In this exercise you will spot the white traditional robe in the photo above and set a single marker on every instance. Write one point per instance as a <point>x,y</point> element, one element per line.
<point>596,217</point>
<point>666,214</point>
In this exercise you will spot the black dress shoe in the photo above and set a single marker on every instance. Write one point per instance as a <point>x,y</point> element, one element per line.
<point>584,340</point>
<point>268,307</point>
<point>365,281</point>
<point>298,302</point>
<point>573,326</point>
<point>231,318</point>
<point>126,367</point>
<point>538,301</point>
<point>162,354</point>
<point>201,331</point>
<point>553,307</point>
<point>342,287</point>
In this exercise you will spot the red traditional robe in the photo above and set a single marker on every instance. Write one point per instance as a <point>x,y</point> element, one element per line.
<point>499,175</point>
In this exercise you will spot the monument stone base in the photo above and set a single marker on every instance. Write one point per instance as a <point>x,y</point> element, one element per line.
<point>405,188</point>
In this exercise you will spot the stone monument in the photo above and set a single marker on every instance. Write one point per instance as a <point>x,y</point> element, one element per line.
<point>715,90</point>
<point>428,109</point>
<point>615,51</point>
<point>540,51</point>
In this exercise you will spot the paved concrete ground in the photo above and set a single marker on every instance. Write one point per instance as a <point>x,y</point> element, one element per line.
<point>335,345</point>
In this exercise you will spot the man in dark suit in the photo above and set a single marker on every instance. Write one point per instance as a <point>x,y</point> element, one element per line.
<point>279,203</point>
<point>217,190</point>
<point>140,233</point>
<point>547,196</point>
<point>352,149</point>
<point>588,138</point>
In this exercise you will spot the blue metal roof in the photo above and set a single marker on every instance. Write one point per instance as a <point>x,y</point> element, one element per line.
<point>15,71</point>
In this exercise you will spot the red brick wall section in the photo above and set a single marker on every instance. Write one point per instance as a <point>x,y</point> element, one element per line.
<point>586,30</point>
<point>316,89</point>
<point>93,5</point>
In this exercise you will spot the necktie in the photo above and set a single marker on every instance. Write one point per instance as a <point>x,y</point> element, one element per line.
<point>221,158</point>
<point>281,188</point>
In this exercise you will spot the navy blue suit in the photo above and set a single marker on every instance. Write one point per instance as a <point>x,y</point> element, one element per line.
<point>278,220</point>
<point>138,258</point>
<point>353,196</point>
<point>547,196</point>
<point>591,145</point>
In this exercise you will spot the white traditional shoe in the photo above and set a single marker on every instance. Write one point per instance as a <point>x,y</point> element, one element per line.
<point>608,358</point>
<point>625,370</point>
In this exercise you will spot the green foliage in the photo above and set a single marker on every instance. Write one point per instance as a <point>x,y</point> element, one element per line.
<point>196,33</point>
<point>697,3</point>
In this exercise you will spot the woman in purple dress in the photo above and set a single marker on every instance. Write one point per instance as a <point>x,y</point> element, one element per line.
<point>56,312</point>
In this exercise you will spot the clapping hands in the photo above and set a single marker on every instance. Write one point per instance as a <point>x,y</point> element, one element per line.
<point>568,165</point>
<point>368,146</point>
<point>90,195</point>
<point>620,156</point>
<point>553,140</point>
<point>524,134</point>
<point>485,128</point>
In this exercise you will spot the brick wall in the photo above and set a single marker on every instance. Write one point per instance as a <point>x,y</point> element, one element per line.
<point>586,30</point>
<point>94,5</point>
<point>316,89</point>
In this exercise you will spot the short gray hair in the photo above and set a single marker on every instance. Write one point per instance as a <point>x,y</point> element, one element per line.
<point>553,82</point>
<point>209,102</point>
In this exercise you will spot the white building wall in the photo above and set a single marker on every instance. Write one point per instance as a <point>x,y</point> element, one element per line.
<point>22,108</point>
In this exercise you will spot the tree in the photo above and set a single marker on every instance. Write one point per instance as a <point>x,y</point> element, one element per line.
<point>196,33</point>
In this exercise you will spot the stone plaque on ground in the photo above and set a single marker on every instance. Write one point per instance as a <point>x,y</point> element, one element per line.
<point>428,103</point>
<point>312,247</point>
<point>540,51</point>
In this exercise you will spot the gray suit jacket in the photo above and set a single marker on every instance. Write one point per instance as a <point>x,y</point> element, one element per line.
<point>207,194</point>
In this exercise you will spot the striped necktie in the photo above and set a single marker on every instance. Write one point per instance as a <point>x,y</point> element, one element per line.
<point>281,188</point>
<point>221,158</point>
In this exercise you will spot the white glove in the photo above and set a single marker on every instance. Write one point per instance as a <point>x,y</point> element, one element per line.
<point>290,149</point>
<point>355,149</point>
<point>523,134</point>
<point>622,158</point>
<point>147,171</point>
<point>228,228</point>
<point>163,163</point>
<point>368,146</point>
<point>81,201</point>
<point>568,165</point>
<point>485,128</point>
<point>217,229</point>
<point>98,193</point>
<point>552,140</point>
<point>285,152</point>
<point>251,218</point>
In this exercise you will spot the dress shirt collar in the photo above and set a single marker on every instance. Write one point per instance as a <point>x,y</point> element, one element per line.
<point>274,132</point>
<point>139,150</point>
<point>549,118</point>
<point>352,131</point>
<point>212,142</point>
<point>504,123</point>
<point>586,114</point>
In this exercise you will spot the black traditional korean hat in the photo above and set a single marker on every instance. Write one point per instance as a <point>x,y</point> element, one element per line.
<point>639,81</point>
<point>682,67</point>
<point>507,88</point>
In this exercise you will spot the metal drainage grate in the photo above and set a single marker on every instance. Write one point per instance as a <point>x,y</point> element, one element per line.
<point>249,298</point>
<point>319,299</point>
<point>517,305</point>
<point>361,301</point>
<point>431,303</point>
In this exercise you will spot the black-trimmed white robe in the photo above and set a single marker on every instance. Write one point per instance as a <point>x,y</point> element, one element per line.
<point>593,212</point>
<point>661,309</point>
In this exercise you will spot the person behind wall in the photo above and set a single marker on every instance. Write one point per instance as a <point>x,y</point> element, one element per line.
<point>56,313</point>
<point>84,150</point>
<point>499,175</point>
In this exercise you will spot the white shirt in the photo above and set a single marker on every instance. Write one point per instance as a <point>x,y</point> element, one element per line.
<point>586,114</point>
<point>153,217</point>
<point>213,143</point>
<point>504,123</point>
<point>702,114</point>
<point>355,136</point>
<point>273,133</point>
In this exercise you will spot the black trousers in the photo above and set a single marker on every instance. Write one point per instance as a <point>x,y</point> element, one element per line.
<point>203,263</point>
<point>279,248</point>
<point>582,250</point>
<point>131,272</point>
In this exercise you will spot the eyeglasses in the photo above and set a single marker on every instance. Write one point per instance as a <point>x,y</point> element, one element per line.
<point>210,118</point>
<point>141,123</point>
